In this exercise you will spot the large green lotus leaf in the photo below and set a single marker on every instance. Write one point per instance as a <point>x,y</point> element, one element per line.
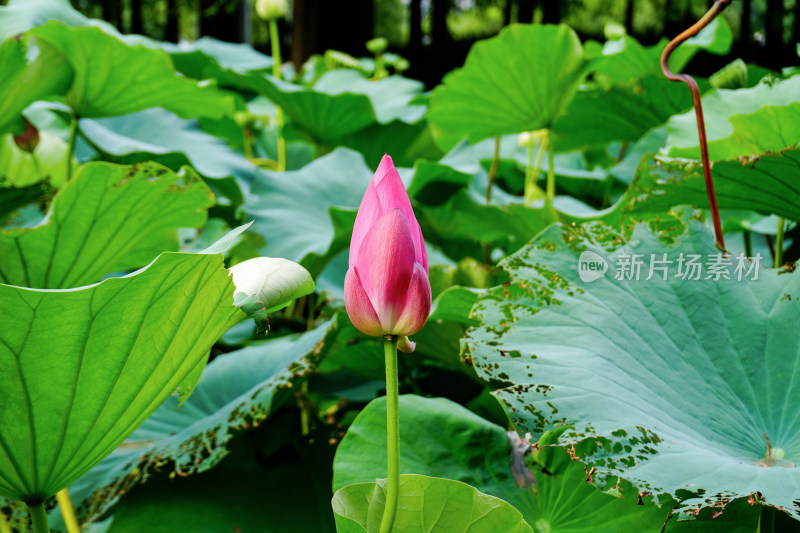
<point>289,491</point>
<point>741,122</point>
<point>453,211</point>
<point>440,438</point>
<point>599,116</point>
<point>425,504</point>
<point>108,218</point>
<point>405,142</point>
<point>238,389</point>
<point>437,438</point>
<point>343,102</point>
<point>113,78</point>
<point>237,66</point>
<point>83,368</point>
<point>392,98</point>
<point>231,56</point>
<point>308,214</point>
<point>29,73</point>
<point>624,59</point>
<point>520,80</point>
<point>21,15</point>
<point>683,378</point>
<point>157,134</point>
<point>767,184</point>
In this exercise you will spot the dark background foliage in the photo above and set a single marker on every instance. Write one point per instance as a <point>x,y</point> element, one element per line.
<point>435,35</point>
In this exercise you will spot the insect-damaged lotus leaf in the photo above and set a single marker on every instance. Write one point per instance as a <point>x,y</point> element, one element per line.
<point>683,378</point>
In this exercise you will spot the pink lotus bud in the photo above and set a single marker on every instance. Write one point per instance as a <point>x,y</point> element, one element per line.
<point>386,289</point>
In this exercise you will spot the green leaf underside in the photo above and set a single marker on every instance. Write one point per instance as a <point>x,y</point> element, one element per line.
<point>683,377</point>
<point>113,78</point>
<point>83,368</point>
<point>25,81</point>
<point>518,81</point>
<point>426,504</point>
<point>442,439</point>
<point>158,135</point>
<point>599,116</point>
<point>343,102</point>
<point>108,218</point>
<point>236,390</point>
<point>768,184</point>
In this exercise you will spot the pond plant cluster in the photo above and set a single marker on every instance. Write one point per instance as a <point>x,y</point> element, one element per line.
<point>592,359</point>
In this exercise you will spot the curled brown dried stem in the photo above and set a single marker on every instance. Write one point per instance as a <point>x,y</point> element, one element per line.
<point>715,10</point>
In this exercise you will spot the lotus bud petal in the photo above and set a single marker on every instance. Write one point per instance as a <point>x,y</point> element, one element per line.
<point>387,290</point>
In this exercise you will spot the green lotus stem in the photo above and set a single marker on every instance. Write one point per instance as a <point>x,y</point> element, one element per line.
<point>748,244</point>
<point>248,143</point>
<point>551,175</point>
<point>533,177</point>
<point>779,242</point>
<point>39,518</point>
<point>4,525</point>
<point>305,418</point>
<point>73,133</point>
<point>276,72</point>
<point>766,522</point>
<point>392,434</point>
<point>380,68</point>
<point>67,511</point>
<point>487,252</point>
<point>493,169</point>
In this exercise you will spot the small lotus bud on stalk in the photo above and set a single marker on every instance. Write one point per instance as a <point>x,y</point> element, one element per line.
<point>28,140</point>
<point>525,139</point>
<point>378,45</point>
<point>613,31</point>
<point>386,289</point>
<point>271,9</point>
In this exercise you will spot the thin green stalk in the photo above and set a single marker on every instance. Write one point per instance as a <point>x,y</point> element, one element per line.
<point>73,133</point>
<point>39,518</point>
<point>248,143</point>
<point>305,418</point>
<point>4,526</point>
<point>779,242</point>
<point>748,244</point>
<point>392,434</point>
<point>551,176</point>
<point>487,255</point>
<point>535,170</point>
<point>67,511</point>
<point>493,169</point>
<point>275,46</point>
